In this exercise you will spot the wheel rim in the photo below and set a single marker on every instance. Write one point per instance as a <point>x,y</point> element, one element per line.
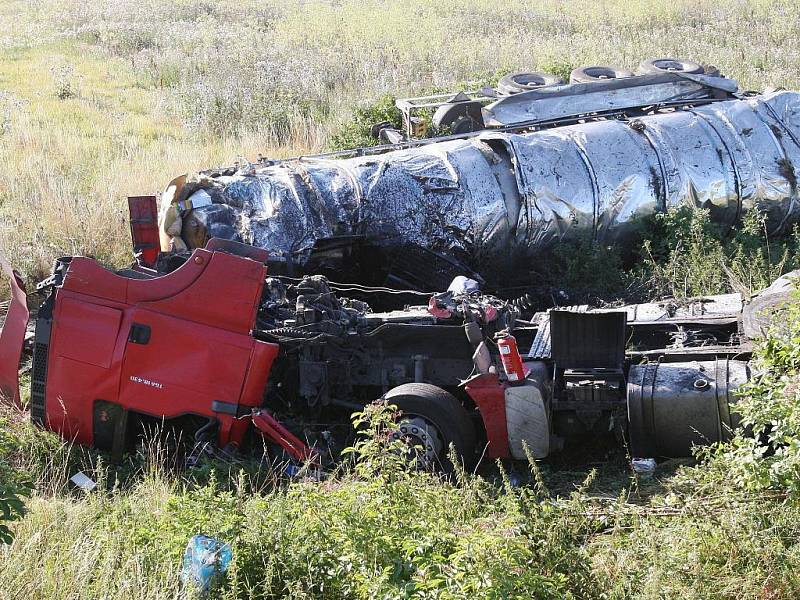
<point>601,72</point>
<point>422,438</point>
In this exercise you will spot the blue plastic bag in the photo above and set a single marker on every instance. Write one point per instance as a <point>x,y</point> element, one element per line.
<point>205,560</point>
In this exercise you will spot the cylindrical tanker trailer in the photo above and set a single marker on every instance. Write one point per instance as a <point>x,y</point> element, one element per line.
<point>496,196</point>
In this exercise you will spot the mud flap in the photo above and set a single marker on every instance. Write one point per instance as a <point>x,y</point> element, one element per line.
<point>528,421</point>
<point>12,335</point>
<point>488,394</point>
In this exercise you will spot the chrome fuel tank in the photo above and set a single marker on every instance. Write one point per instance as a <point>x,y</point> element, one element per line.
<point>675,406</point>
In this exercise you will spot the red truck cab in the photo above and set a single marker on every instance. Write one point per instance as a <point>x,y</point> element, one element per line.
<point>159,345</point>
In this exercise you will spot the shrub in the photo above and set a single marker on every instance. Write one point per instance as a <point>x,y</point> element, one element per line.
<point>355,133</point>
<point>685,254</point>
<point>586,272</point>
<point>15,484</point>
<point>383,529</point>
<point>64,81</point>
<point>755,260</point>
<point>767,454</point>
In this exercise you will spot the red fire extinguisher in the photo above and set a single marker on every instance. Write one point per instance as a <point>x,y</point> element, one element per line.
<point>509,355</point>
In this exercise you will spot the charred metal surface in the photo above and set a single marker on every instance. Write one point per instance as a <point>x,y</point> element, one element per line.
<point>497,197</point>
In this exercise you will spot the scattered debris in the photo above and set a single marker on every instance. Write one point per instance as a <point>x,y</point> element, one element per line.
<point>83,481</point>
<point>289,360</point>
<point>644,468</point>
<point>333,302</point>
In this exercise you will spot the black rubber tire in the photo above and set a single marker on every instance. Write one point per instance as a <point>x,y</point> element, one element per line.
<point>669,65</point>
<point>445,412</point>
<point>598,73</point>
<point>513,83</point>
<point>464,125</point>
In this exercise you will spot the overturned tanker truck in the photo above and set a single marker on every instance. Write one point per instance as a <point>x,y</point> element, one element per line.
<point>537,167</point>
<point>227,328</point>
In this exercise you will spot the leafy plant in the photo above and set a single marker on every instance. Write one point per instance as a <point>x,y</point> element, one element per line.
<point>684,254</point>
<point>65,81</point>
<point>356,132</point>
<point>583,271</point>
<point>767,454</point>
<point>15,484</point>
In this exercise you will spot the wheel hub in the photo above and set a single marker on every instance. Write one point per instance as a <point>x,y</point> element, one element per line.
<point>422,438</point>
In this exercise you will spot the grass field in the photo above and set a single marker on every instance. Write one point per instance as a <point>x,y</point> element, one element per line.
<point>105,99</point>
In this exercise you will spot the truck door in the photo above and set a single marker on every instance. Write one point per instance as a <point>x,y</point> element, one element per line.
<point>175,367</point>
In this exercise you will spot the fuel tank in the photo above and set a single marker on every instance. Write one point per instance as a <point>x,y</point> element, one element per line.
<point>675,406</point>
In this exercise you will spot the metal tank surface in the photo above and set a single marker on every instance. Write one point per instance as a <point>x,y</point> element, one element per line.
<point>675,406</point>
<point>497,196</point>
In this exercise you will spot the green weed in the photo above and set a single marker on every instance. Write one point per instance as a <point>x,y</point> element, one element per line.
<point>685,254</point>
<point>14,482</point>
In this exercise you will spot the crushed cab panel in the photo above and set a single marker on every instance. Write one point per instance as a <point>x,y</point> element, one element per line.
<point>164,346</point>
